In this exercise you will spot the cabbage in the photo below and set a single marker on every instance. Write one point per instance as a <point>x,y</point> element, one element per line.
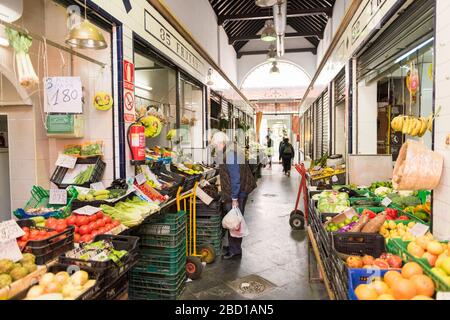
<point>382,191</point>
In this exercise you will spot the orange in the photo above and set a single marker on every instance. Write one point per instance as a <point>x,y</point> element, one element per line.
<point>410,269</point>
<point>424,285</point>
<point>379,286</point>
<point>386,296</point>
<point>404,289</point>
<point>391,276</point>
<point>365,292</point>
<point>419,297</point>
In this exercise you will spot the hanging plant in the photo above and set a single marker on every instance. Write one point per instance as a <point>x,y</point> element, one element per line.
<point>21,44</point>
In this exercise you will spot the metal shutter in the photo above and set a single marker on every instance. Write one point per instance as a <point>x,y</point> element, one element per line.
<point>413,26</point>
<point>318,122</point>
<point>339,88</point>
<point>325,122</point>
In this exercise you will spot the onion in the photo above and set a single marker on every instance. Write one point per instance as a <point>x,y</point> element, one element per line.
<point>62,277</point>
<point>53,287</point>
<point>79,278</point>
<point>35,291</point>
<point>47,279</point>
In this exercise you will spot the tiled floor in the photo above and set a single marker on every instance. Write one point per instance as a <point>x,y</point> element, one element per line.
<point>272,250</point>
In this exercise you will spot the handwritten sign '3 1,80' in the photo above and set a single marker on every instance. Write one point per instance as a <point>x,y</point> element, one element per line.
<point>63,95</point>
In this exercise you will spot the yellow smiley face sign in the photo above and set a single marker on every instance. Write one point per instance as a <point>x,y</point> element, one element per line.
<point>103,101</point>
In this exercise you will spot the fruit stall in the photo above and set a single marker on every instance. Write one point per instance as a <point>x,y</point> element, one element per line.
<point>84,241</point>
<point>375,242</point>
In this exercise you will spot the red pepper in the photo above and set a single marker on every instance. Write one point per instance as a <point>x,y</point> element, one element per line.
<point>403,218</point>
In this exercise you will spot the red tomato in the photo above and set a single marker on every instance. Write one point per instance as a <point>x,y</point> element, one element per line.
<point>42,232</point>
<point>105,220</point>
<point>71,220</point>
<point>109,226</point>
<point>21,244</point>
<point>85,238</point>
<point>76,238</point>
<point>102,230</point>
<point>61,226</point>
<point>84,230</point>
<point>82,220</point>
<point>33,234</point>
<point>93,226</point>
<point>99,215</point>
<point>116,223</point>
<point>94,233</point>
<point>101,223</point>
<point>24,237</point>
<point>26,229</point>
<point>108,219</point>
<point>92,218</point>
<point>76,228</point>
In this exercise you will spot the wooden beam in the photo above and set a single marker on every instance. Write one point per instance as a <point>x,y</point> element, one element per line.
<point>290,14</point>
<point>256,52</point>
<point>248,37</point>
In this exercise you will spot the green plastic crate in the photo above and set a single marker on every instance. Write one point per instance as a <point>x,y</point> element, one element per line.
<point>161,265</point>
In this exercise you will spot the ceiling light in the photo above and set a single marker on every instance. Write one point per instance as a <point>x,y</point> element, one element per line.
<point>274,68</point>
<point>265,3</point>
<point>86,36</point>
<point>269,34</point>
<point>272,54</point>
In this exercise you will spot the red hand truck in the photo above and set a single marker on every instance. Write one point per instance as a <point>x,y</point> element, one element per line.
<point>298,218</point>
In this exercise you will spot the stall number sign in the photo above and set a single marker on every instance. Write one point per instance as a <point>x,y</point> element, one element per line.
<point>63,95</point>
<point>58,196</point>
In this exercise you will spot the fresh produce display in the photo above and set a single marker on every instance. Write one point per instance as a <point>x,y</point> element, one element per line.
<point>332,202</point>
<point>158,153</point>
<point>435,253</point>
<point>385,261</point>
<point>90,149</point>
<point>403,200</point>
<point>375,185</point>
<point>391,229</point>
<point>72,150</point>
<point>344,226</point>
<point>102,250</point>
<point>40,210</point>
<point>84,175</point>
<point>150,192</point>
<point>60,286</point>
<point>11,271</point>
<point>421,211</point>
<point>153,179</point>
<point>53,227</point>
<point>409,283</point>
<point>413,126</point>
<point>95,195</point>
<point>130,212</point>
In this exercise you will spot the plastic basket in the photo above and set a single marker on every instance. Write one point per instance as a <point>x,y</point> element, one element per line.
<point>138,293</point>
<point>362,276</point>
<point>114,290</point>
<point>168,224</point>
<point>108,268</point>
<point>40,198</point>
<point>60,172</point>
<point>164,241</point>
<point>358,243</point>
<point>156,280</point>
<point>160,264</point>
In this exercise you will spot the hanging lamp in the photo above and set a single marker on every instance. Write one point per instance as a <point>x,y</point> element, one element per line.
<point>86,36</point>
<point>269,34</point>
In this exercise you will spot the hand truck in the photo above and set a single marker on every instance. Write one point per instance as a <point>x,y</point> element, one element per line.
<point>297,218</point>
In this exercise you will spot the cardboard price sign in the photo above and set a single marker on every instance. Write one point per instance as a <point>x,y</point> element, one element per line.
<point>87,210</point>
<point>10,230</point>
<point>10,250</point>
<point>98,186</point>
<point>58,196</point>
<point>141,179</point>
<point>63,95</point>
<point>386,202</point>
<point>419,230</point>
<point>66,161</point>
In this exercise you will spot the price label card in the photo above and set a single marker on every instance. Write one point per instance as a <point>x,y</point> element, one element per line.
<point>386,202</point>
<point>141,179</point>
<point>419,230</point>
<point>98,186</point>
<point>334,179</point>
<point>66,161</point>
<point>10,250</point>
<point>168,167</point>
<point>87,210</point>
<point>63,95</point>
<point>10,230</point>
<point>443,295</point>
<point>204,197</point>
<point>58,196</point>
<point>317,168</point>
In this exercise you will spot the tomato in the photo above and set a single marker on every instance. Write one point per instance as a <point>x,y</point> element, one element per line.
<point>61,226</point>
<point>76,228</point>
<point>71,220</point>
<point>92,218</point>
<point>102,230</point>
<point>94,233</point>
<point>93,226</point>
<point>85,238</point>
<point>109,226</point>
<point>21,244</point>
<point>26,229</point>
<point>24,237</point>
<point>116,223</point>
<point>105,221</point>
<point>108,219</point>
<point>99,215</point>
<point>85,230</point>
<point>101,223</point>
<point>76,238</point>
<point>82,220</point>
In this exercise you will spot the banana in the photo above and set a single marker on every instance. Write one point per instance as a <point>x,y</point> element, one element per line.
<point>423,127</point>
<point>430,123</point>
<point>417,126</point>
<point>405,125</point>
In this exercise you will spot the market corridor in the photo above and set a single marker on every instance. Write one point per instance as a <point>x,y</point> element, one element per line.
<point>272,251</point>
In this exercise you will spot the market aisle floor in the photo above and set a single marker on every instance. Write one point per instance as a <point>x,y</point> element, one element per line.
<point>272,250</point>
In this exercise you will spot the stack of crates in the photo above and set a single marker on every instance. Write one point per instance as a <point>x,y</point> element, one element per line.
<point>160,273</point>
<point>209,226</point>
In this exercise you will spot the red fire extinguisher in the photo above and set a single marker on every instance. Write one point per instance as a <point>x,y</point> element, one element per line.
<point>136,142</point>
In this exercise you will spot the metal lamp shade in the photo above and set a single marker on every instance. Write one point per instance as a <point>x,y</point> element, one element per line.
<point>86,36</point>
<point>269,34</point>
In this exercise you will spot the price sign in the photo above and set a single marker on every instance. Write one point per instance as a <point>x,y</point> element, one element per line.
<point>317,168</point>
<point>419,230</point>
<point>443,296</point>
<point>334,179</point>
<point>98,186</point>
<point>386,202</point>
<point>58,196</point>
<point>204,197</point>
<point>10,230</point>
<point>63,95</point>
<point>66,161</point>
<point>10,250</point>
<point>141,179</point>
<point>87,210</point>
<point>168,167</point>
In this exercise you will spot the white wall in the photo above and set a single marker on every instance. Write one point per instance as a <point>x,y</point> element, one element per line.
<point>199,18</point>
<point>305,60</point>
<point>441,202</point>
<point>367,118</point>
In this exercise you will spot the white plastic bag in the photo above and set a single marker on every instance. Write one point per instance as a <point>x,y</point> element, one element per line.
<point>232,219</point>
<point>241,231</point>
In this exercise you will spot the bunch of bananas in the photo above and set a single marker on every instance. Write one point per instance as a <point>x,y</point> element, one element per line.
<point>412,126</point>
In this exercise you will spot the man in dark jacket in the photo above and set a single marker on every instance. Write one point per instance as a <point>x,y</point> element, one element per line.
<point>287,153</point>
<point>237,182</point>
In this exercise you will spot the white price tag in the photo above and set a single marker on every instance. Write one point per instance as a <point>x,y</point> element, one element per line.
<point>141,179</point>
<point>66,161</point>
<point>204,197</point>
<point>350,212</point>
<point>10,230</point>
<point>334,179</point>
<point>87,210</point>
<point>58,196</point>
<point>419,230</point>
<point>443,295</point>
<point>98,186</point>
<point>168,167</point>
<point>317,168</point>
<point>386,202</point>
<point>10,250</point>
<point>63,95</point>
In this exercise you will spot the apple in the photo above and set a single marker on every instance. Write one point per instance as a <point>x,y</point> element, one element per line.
<point>395,261</point>
<point>431,258</point>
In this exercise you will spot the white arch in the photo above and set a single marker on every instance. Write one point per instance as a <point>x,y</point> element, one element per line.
<point>9,75</point>
<point>279,62</point>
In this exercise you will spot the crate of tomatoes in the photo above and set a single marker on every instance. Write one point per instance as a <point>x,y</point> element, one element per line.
<point>48,242</point>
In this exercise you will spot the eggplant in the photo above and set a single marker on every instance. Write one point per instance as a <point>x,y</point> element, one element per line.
<point>351,193</point>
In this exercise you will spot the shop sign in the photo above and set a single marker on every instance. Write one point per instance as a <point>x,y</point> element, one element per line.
<point>176,44</point>
<point>365,18</point>
<point>63,95</point>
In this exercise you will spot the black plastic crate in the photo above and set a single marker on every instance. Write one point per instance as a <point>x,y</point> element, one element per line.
<point>358,243</point>
<point>60,172</point>
<point>114,290</point>
<point>152,281</point>
<point>213,209</point>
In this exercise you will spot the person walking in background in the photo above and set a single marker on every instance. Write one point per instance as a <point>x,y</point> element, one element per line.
<point>287,153</point>
<point>269,149</point>
<point>236,181</point>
